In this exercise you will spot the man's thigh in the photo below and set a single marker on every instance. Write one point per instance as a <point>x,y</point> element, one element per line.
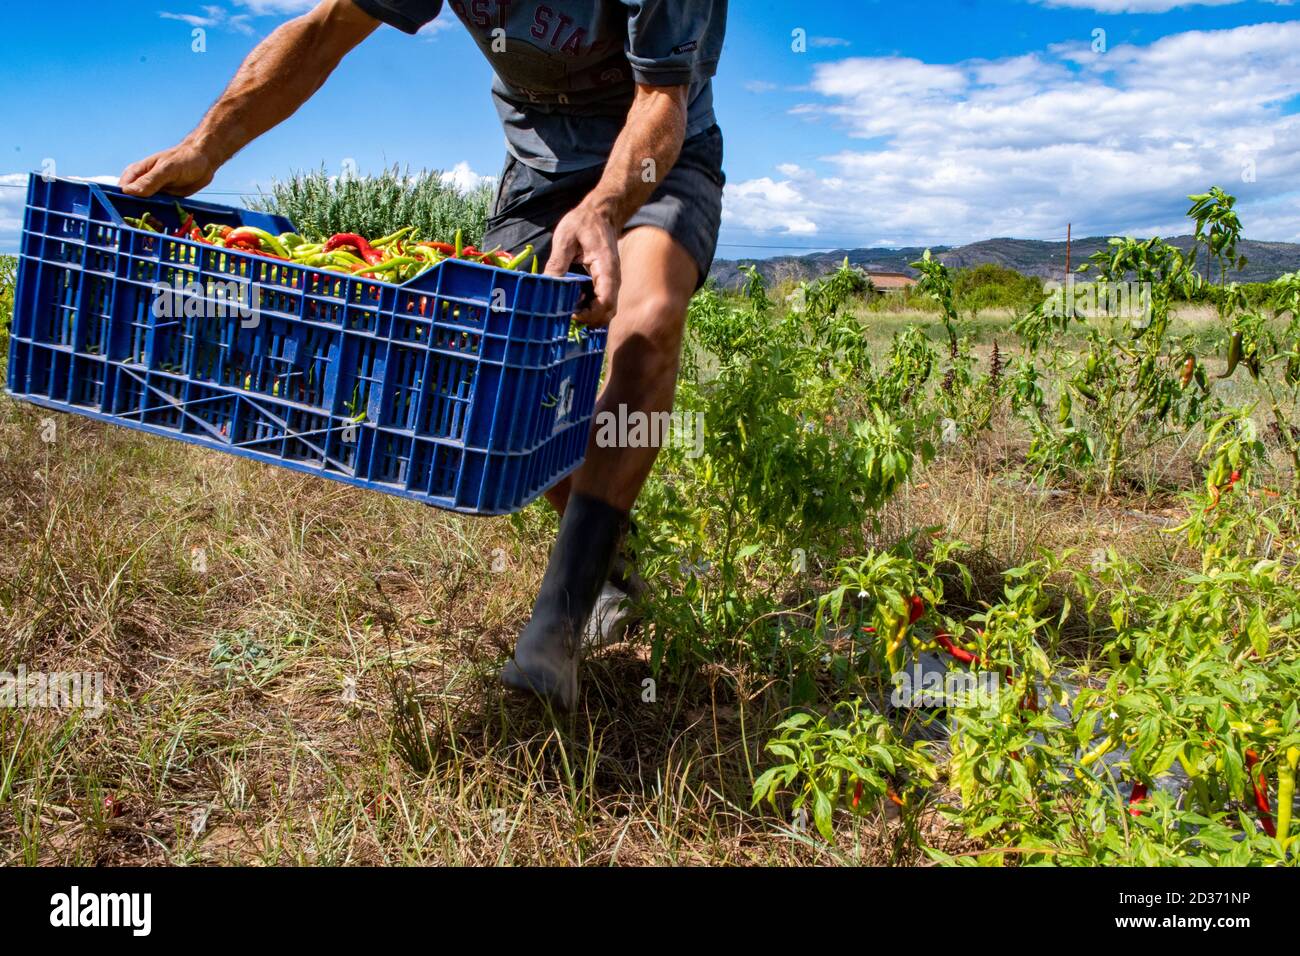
<point>659,278</point>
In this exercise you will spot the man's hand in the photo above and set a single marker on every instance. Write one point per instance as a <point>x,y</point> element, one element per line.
<point>644,152</point>
<point>182,170</point>
<point>588,235</point>
<point>281,73</point>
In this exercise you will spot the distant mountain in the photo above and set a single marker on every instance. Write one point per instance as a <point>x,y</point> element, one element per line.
<point>1266,260</point>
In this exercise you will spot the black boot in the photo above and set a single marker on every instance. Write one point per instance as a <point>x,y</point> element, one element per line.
<point>546,655</point>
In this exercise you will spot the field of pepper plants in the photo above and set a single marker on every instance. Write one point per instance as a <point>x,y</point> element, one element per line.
<point>962,586</point>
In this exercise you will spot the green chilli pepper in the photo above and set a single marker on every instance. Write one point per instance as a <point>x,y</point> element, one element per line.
<point>1064,409</point>
<point>1252,363</point>
<point>393,237</point>
<point>1234,354</point>
<point>1286,774</point>
<point>518,260</point>
<point>388,265</point>
<point>343,257</point>
<point>1087,392</point>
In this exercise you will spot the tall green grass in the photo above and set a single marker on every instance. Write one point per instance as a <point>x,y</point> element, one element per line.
<point>321,205</point>
<point>8,279</point>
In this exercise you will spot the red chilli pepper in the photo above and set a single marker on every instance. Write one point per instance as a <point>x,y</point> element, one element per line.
<point>916,609</point>
<point>364,249</point>
<point>960,653</point>
<point>1261,794</point>
<point>1217,492</point>
<point>1137,796</point>
<point>186,226</point>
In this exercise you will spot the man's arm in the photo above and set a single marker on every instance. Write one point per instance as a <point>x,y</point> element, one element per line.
<point>281,74</point>
<point>645,150</point>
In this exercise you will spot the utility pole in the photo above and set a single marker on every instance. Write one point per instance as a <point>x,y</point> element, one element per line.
<point>1069,238</point>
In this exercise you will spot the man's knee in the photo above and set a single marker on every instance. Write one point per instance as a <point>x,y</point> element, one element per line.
<point>652,333</point>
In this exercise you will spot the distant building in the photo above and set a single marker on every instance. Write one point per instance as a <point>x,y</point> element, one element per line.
<point>890,281</point>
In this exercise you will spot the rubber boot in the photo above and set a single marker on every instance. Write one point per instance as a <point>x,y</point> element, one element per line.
<point>618,607</point>
<point>546,655</point>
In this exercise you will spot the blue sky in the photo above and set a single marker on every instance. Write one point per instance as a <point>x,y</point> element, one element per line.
<point>901,124</point>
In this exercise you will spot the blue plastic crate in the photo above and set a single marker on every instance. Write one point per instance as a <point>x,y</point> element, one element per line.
<point>463,388</point>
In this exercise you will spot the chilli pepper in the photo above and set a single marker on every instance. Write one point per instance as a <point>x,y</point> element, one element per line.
<point>368,253</point>
<point>1189,371</point>
<point>1216,492</point>
<point>915,609</point>
<point>959,653</point>
<point>1261,794</point>
<point>1096,753</point>
<point>186,226</point>
<point>393,237</point>
<point>387,265</point>
<point>446,248</point>
<point>519,260</point>
<point>1087,392</point>
<point>244,242</point>
<point>264,239</point>
<point>1234,354</point>
<point>1137,796</point>
<point>1286,794</point>
<point>1252,363</point>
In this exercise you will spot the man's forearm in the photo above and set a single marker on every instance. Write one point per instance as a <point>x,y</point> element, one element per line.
<point>281,74</point>
<point>643,154</point>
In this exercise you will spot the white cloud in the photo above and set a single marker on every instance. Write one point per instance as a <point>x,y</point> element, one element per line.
<point>212,17</point>
<point>1144,6</point>
<point>464,178</point>
<point>436,26</point>
<point>1023,145</point>
<point>262,7</point>
<point>13,195</point>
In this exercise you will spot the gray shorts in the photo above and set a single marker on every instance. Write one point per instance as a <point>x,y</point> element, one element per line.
<point>687,205</point>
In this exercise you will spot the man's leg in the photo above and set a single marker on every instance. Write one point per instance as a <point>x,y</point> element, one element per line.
<point>644,349</point>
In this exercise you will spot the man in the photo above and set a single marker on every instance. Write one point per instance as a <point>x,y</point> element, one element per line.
<point>614,164</point>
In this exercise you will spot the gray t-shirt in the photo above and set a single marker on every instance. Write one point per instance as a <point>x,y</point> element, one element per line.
<point>566,70</point>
